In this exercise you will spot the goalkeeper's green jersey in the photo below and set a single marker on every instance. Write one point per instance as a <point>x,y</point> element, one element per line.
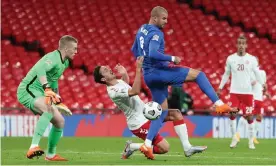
<point>51,65</point>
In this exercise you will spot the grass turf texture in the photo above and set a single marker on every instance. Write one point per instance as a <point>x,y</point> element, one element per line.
<point>107,151</point>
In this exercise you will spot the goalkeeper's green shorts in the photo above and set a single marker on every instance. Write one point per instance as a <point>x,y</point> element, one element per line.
<point>27,96</point>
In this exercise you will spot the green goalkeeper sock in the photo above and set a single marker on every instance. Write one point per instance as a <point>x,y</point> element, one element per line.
<point>54,137</point>
<point>41,126</point>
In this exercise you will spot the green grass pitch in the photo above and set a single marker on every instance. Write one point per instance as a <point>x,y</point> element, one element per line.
<point>107,151</point>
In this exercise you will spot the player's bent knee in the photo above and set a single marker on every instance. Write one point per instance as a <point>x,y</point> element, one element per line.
<point>192,75</point>
<point>163,146</point>
<point>40,107</point>
<point>175,115</point>
<point>58,121</point>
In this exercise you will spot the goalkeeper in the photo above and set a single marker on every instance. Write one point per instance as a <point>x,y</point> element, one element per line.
<point>38,91</point>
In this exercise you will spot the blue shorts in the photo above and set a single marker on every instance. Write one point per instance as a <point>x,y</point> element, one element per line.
<point>159,79</point>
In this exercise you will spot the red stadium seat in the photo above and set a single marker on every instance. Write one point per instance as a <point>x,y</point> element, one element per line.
<point>106,34</point>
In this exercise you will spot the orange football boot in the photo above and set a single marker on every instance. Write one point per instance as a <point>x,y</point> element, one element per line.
<point>147,151</point>
<point>36,151</point>
<point>56,158</point>
<point>224,109</point>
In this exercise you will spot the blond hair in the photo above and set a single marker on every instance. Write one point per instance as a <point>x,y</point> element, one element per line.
<point>155,12</point>
<point>66,39</point>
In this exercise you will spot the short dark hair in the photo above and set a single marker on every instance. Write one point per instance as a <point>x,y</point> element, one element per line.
<point>97,75</point>
<point>242,37</point>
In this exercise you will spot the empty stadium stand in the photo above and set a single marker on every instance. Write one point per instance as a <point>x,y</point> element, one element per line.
<point>106,29</point>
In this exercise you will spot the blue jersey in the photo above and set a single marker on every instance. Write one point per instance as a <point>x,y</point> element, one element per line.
<point>149,42</point>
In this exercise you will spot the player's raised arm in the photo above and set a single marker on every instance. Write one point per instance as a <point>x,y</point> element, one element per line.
<point>153,49</point>
<point>122,72</point>
<point>136,87</point>
<point>225,76</point>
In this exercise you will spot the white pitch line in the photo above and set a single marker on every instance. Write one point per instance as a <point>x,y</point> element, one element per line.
<point>170,155</point>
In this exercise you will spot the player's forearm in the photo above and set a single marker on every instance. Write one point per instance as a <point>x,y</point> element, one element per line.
<point>224,80</point>
<point>155,54</point>
<point>258,76</point>
<point>159,56</point>
<point>136,87</point>
<point>125,78</point>
<point>54,87</point>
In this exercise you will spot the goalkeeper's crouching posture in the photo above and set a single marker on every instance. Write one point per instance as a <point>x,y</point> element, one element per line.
<point>38,91</point>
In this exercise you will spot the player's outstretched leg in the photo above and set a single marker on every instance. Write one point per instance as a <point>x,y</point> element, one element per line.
<point>54,137</point>
<point>206,87</point>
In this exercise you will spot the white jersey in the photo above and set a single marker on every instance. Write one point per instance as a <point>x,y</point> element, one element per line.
<point>240,68</point>
<point>258,87</point>
<point>131,106</point>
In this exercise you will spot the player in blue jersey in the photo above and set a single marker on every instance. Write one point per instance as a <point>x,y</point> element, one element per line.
<point>158,73</point>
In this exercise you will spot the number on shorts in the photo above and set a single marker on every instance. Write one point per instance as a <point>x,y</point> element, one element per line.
<point>248,110</point>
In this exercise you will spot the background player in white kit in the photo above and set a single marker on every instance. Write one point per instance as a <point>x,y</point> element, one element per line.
<point>241,65</point>
<point>127,99</point>
<point>258,92</point>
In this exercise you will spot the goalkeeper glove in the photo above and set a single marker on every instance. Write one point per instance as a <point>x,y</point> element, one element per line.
<point>63,109</point>
<point>50,96</point>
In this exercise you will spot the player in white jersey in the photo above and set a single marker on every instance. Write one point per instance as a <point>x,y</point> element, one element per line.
<point>127,99</point>
<point>259,91</point>
<point>240,66</point>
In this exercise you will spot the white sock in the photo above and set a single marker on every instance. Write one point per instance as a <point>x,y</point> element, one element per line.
<point>257,127</point>
<point>233,125</point>
<point>251,133</point>
<point>241,124</point>
<point>219,103</point>
<point>181,131</point>
<point>148,142</point>
<point>33,145</point>
<point>50,155</point>
<point>135,146</point>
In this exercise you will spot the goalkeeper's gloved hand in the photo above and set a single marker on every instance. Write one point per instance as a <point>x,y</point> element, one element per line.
<point>63,109</point>
<point>50,96</point>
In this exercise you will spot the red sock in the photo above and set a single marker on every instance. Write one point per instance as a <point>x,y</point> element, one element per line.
<point>178,122</point>
<point>156,150</point>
